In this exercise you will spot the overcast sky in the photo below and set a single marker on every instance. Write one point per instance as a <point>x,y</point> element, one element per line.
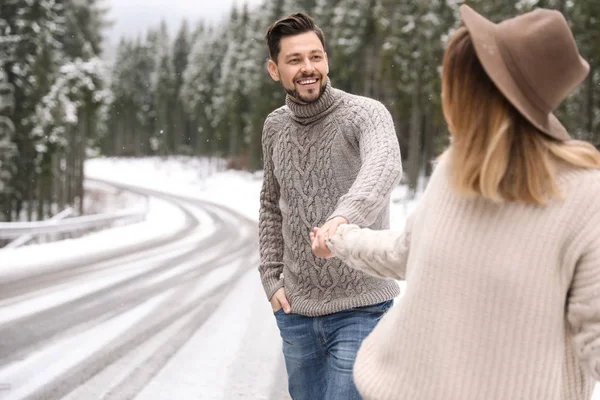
<point>133,17</point>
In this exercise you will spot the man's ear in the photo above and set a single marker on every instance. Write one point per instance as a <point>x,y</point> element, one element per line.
<point>273,70</point>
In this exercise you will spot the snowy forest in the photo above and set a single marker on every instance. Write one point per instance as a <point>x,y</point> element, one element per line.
<point>206,92</point>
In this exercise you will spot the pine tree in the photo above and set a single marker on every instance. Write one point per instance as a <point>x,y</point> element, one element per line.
<point>35,62</point>
<point>164,93</point>
<point>580,112</point>
<point>8,149</point>
<point>233,96</point>
<point>323,14</point>
<point>122,114</point>
<point>199,92</point>
<point>182,127</point>
<point>266,95</point>
<point>352,48</point>
<point>85,21</point>
<point>51,106</point>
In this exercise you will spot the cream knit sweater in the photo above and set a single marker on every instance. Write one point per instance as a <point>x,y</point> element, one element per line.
<point>502,301</point>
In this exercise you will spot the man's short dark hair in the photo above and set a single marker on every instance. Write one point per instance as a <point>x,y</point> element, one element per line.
<point>291,25</point>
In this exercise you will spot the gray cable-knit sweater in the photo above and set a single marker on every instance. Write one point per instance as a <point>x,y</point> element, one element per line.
<point>337,156</point>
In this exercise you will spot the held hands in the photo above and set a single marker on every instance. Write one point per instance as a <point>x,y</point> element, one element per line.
<point>319,236</point>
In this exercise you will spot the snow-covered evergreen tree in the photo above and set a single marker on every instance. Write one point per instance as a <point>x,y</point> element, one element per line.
<point>182,126</point>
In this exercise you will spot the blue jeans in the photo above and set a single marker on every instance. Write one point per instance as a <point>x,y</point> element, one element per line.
<point>319,352</point>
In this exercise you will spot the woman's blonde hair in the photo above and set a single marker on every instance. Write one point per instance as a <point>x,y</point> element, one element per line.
<point>495,152</point>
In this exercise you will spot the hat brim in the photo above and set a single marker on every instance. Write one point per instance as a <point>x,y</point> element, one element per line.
<point>484,35</point>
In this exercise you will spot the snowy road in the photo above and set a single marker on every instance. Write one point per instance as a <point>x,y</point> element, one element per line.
<point>95,330</point>
<point>126,326</point>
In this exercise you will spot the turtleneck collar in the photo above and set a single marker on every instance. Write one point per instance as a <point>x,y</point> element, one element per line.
<point>307,113</point>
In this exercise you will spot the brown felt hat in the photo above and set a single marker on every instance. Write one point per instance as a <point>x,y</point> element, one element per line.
<point>532,59</point>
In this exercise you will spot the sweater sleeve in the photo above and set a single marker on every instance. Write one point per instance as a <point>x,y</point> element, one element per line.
<point>583,303</point>
<point>380,253</point>
<point>381,166</point>
<point>269,225</point>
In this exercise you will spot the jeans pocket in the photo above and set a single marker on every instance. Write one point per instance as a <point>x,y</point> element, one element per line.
<point>279,311</point>
<point>381,308</point>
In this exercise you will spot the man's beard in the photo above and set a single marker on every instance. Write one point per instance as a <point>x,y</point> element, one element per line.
<point>297,96</point>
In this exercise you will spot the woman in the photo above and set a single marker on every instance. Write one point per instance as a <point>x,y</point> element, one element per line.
<point>502,256</point>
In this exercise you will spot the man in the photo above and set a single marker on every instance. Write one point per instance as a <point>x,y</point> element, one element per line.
<point>330,158</point>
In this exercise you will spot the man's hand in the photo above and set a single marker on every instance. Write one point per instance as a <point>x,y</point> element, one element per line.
<point>319,235</point>
<point>279,300</point>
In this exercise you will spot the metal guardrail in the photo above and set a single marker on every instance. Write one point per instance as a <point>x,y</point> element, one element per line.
<point>10,230</point>
<point>24,239</point>
<point>62,225</point>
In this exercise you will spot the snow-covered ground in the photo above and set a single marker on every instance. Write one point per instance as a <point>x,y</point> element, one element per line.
<point>189,177</point>
<point>240,342</point>
<point>186,176</point>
